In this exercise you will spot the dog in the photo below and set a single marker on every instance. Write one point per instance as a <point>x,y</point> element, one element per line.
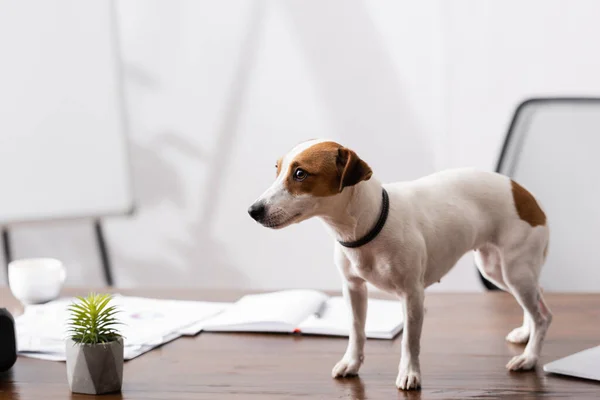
<point>402,237</point>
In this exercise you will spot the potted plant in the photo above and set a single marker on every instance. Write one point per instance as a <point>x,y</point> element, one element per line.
<point>94,347</point>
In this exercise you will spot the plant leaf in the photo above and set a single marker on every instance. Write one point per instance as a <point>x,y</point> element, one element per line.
<point>93,319</point>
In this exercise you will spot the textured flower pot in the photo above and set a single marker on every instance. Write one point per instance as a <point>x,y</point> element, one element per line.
<point>95,368</point>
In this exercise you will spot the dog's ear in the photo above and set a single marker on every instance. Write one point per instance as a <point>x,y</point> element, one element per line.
<point>351,168</point>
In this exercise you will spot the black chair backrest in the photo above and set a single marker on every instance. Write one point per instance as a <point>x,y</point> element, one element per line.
<point>552,147</point>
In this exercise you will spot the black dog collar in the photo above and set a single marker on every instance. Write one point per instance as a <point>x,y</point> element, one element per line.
<point>385,208</point>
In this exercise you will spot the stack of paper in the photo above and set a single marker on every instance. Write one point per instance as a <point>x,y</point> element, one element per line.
<point>147,323</point>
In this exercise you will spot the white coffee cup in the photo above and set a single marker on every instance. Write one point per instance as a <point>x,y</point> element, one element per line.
<point>36,280</point>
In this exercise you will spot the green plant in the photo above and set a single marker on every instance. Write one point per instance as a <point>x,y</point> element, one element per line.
<point>92,320</point>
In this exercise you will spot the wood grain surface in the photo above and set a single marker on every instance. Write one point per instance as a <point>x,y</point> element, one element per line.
<point>463,357</point>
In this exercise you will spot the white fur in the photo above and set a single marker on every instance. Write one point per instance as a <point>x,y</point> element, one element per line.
<point>432,222</point>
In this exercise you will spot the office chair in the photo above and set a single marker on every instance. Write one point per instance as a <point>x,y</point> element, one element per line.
<point>551,148</point>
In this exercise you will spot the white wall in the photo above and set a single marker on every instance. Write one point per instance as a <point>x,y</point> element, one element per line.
<point>217,91</point>
<point>274,75</point>
<point>502,52</point>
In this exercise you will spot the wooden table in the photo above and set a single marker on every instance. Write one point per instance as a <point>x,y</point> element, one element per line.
<point>463,356</point>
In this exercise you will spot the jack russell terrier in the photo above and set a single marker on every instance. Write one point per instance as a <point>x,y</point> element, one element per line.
<point>402,237</point>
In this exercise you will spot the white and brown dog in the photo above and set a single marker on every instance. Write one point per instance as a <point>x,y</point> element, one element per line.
<point>402,237</point>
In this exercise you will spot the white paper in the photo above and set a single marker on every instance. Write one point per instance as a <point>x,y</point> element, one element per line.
<point>198,327</point>
<point>146,323</point>
<point>384,319</point>
<point>130,352</point>
<point>271,312</point>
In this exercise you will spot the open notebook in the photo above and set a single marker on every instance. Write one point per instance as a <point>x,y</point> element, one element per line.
<point>306,312</point>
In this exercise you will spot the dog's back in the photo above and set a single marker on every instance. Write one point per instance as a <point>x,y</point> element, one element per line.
<point>451,198</point>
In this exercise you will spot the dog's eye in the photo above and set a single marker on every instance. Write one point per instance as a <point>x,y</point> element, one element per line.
<point>300,175</point>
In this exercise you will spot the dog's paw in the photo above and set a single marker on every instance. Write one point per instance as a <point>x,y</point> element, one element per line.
<point>522,362</point>
<point>518,335</point>
<point>408,380</point>
<point>347,366</point>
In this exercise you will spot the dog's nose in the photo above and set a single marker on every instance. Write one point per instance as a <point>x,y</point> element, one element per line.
<point>257,211</point>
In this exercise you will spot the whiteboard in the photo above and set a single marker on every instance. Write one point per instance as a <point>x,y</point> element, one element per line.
<point>63,149</point>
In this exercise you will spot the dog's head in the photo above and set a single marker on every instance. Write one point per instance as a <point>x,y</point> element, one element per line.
<point>308,178</point>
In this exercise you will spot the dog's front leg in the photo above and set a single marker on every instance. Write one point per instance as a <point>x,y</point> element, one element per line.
<point>409,374</point>
<point>355,293</point>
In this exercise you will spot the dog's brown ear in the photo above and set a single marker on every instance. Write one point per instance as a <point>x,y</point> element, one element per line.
<point>352,169</point>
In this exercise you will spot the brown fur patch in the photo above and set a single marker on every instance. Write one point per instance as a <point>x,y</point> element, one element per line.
<point>330,168</point>
<point>278,166</point>
<point>355,170</point>
<point>526,205</point>
<point>320,162</point>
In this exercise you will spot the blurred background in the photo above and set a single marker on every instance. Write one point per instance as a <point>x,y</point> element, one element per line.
<point>216,91</point>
